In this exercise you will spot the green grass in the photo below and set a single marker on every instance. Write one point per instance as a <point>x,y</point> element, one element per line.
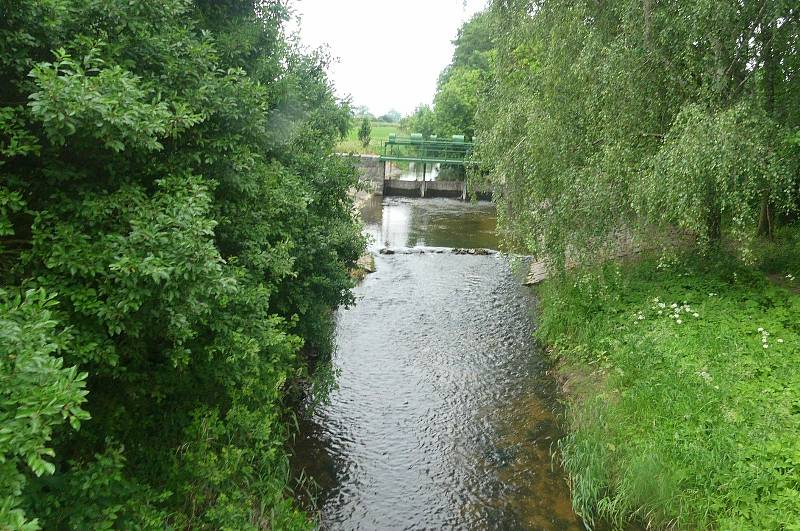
<point>380,133</point>
<point>691,424</point>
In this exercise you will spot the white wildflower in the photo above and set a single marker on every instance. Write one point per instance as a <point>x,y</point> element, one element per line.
<point>695,314</point>
<point>679,321</point>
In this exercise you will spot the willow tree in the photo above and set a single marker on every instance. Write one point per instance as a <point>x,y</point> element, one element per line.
<point>630,116</point>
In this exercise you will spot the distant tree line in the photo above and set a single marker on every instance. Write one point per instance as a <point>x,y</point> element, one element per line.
<point>360,112</point>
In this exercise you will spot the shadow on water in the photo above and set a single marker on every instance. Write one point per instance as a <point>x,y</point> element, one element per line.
<point>443,417</point>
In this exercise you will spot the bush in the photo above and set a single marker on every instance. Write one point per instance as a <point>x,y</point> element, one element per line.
<point>173,235</point>
<point>364,132</point>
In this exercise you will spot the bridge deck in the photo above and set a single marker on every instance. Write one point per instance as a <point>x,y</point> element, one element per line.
<point>430,151</point>
<point>426,160</point>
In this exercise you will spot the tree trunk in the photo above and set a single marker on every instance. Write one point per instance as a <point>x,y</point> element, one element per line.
<point>714,224</point>
<point>765,219</point>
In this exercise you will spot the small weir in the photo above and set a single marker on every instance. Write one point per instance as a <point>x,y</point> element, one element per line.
<point>443,415</point>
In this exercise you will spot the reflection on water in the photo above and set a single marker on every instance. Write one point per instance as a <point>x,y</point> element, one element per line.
<point>441,418</point>
<point>396,222</point>
<point>414,172</point>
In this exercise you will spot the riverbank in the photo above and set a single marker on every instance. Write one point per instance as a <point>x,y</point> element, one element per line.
<point>683,387</point>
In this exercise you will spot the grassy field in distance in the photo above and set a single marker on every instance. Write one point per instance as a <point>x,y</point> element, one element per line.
<point>380,133</point>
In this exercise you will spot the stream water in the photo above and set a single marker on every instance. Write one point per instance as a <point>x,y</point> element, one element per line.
<point>442,417</point>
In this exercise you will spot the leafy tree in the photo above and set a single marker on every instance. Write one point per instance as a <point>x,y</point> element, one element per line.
<point>634,117</point>
<point>173,236</point>
<point>362,111</point>
<point>364,132</point>
<point>456,103</point>
<point>474,46</point>
<point>38,394</point>
<point>460,83</point>
<point>423,121</point>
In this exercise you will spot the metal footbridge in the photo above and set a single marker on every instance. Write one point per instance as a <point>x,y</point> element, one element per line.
<point>428,153</point>
<point>453,151</point>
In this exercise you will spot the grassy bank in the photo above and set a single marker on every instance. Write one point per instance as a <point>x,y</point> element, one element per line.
<point>684,390</point>
<point>380,133</point>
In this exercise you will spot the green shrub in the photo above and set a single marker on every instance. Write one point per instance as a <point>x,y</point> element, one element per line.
<point>173,236</point>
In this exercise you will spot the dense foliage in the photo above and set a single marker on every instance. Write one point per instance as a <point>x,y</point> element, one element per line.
<point>641,117</point>
<point>173,235</point>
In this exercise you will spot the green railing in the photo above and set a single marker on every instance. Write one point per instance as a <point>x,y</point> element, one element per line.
<point>431,151</point>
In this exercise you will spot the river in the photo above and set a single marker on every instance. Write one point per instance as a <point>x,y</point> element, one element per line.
<point>443,415</point>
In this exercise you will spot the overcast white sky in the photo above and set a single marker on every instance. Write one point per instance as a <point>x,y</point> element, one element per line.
<point>389,53</point>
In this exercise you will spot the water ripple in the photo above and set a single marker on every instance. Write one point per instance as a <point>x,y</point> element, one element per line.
<point>439,420</point>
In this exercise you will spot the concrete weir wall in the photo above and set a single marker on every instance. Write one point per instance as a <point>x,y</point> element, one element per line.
<point>370,171</point>
<point>424,188</point>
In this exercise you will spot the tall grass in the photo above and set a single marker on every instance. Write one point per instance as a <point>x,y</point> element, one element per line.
<point>693,418</point>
